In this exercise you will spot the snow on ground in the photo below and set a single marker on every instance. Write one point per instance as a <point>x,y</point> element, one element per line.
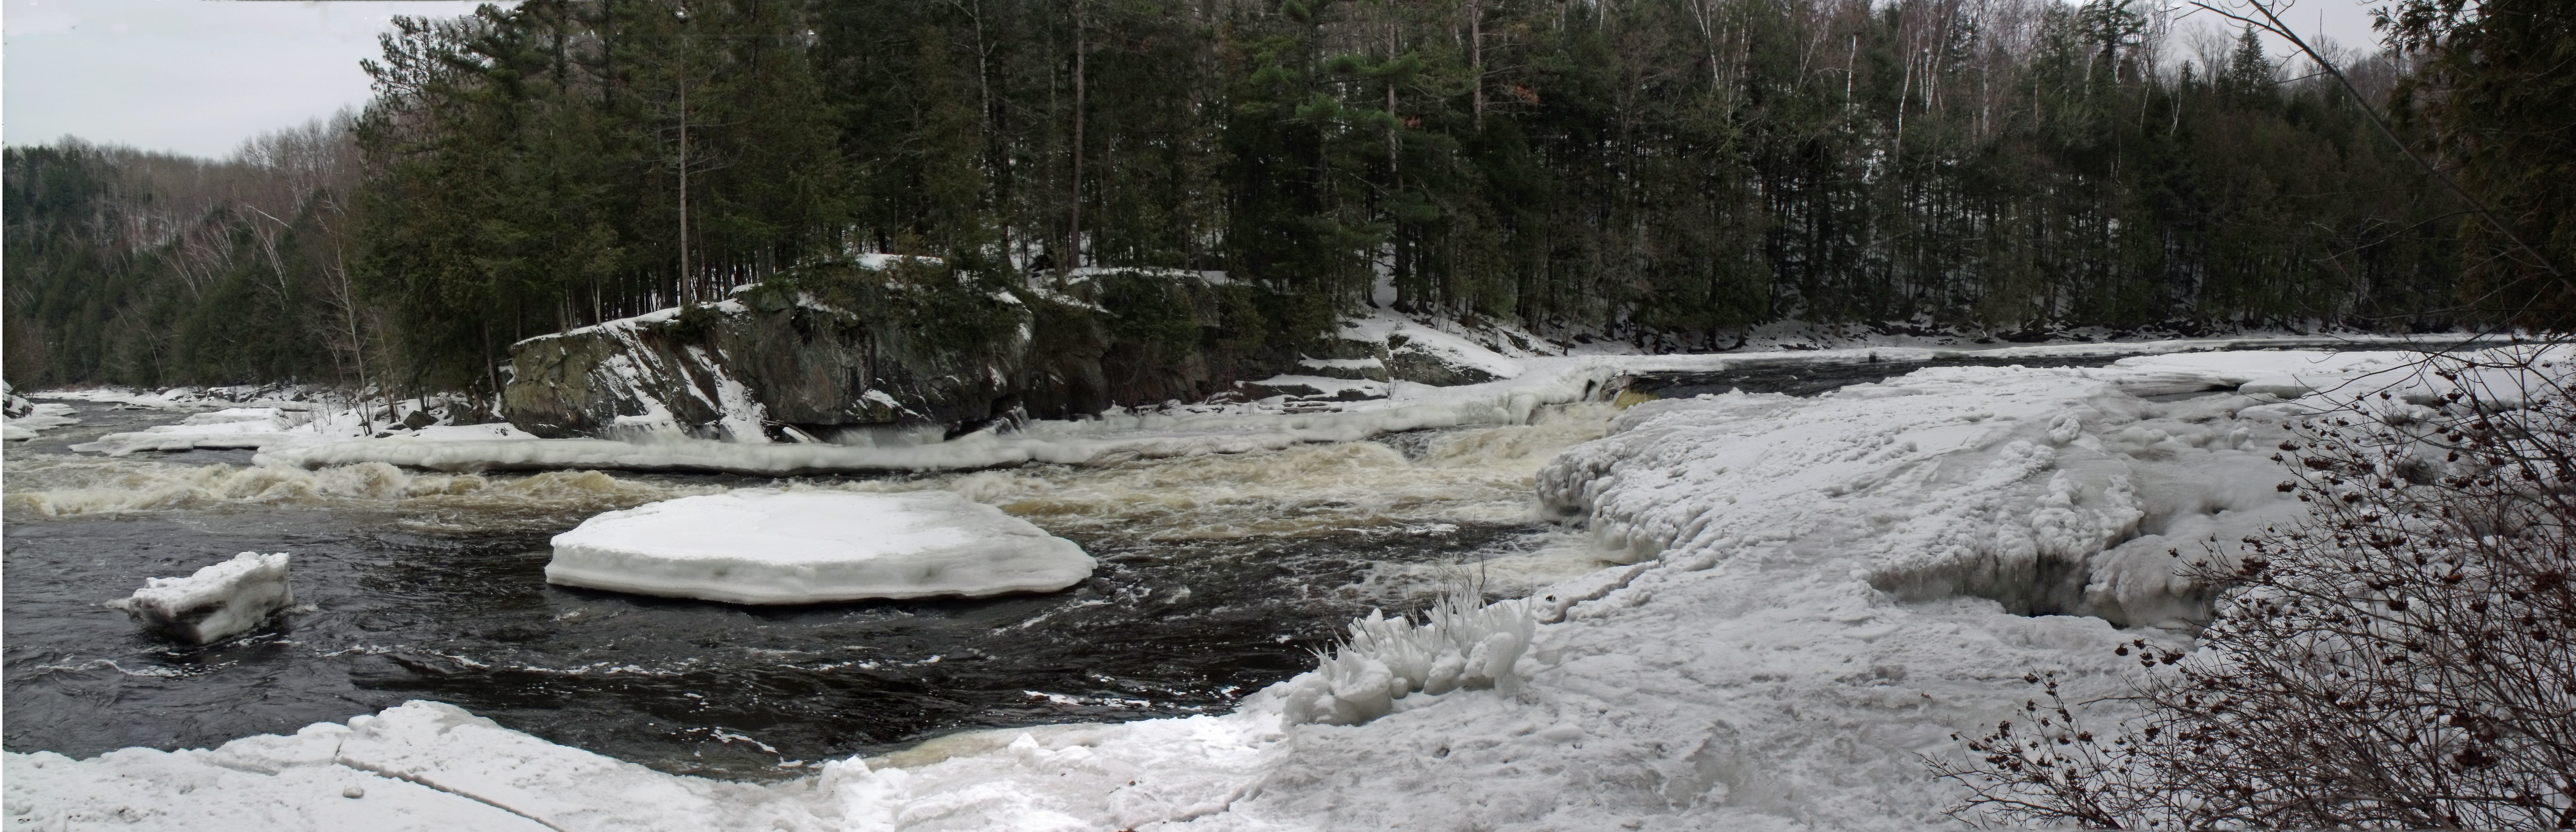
<point>1815,592</point>
<point>1424,337</point>
<point>1183,430</point>
<point>1179,432</point>
<point>61,486</point>
<point>1323,387</point>
<point>284,423</point>
<point>217,602</point>
<point>39,417</point>
<point>175,397</point>
<point>424,766</point>
<point>766,546</point>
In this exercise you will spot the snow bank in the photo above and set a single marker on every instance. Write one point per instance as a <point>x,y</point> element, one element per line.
<point>432,766</point>
<point>1113,436</point>
<point>1524,381</point>
<point>1426,350</point>
<point>2052,491</point>
<point>266,422</point>
<point>34,419</point>
<point>1821,590</point>
<point>60,486</point>
<point>173,398</point>
<point>232,427</point>
<point>764,546</point>
<point>423,765</point>
<point>218,602</point>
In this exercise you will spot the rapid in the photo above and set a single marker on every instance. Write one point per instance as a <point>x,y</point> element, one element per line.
<point>1219,574</point>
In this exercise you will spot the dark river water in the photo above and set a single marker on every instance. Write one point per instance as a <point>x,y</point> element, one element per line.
<point>1808,378</point>
<point>1217,576</point>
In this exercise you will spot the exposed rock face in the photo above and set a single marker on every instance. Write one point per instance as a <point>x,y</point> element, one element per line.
<point>757,366</point>
<point>788,357</point>
<point>1409,359</point>
<point>822,353</point>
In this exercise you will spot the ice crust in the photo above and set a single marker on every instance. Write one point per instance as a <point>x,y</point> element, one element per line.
<point>1804,595</point>
<point>261,422</point>
<point>34,419</point>
<point>765,546</point>
<point>220,601</point>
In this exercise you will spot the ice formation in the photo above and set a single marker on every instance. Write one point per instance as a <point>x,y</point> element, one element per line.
<point>218,602</point>
<point>764,546</point>
<point>266,422</point>
<point>1460,643</point>
<point>421,766</point>
<point>34,419</point>
<point>1816,591</point>
<point>1111,436</point>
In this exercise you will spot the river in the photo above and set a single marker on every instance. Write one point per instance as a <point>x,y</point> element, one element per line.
<point>1218,575</point>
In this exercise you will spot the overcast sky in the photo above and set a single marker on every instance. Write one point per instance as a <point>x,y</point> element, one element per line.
<point>190,76</point>
<point>199,76</point>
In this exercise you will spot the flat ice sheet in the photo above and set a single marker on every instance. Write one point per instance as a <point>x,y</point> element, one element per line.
<point>765,546</point>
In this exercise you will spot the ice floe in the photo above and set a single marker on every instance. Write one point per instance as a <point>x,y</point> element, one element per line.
<point>218,602</point>
<point>766,546</point>
<point>1807,595</point>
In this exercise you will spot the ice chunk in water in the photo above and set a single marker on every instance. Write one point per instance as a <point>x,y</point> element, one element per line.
<point>216,603</point>
<point>764,546</point>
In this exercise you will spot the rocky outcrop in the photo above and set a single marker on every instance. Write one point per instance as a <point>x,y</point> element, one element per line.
<point>825,352</point>
<point>849,352</point>
<point>773,362</point>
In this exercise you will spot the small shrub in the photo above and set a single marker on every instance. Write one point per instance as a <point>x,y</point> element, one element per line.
<point>2399,659</point>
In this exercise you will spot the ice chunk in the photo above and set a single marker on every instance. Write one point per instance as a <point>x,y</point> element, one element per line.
<point>765,546</point>
<point>216,603</point>
<point>23,423</point>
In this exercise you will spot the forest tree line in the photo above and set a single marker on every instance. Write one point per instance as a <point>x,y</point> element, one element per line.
<point>1666,171</point>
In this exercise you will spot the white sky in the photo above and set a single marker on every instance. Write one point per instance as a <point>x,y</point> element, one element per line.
<point>2345,23</point>
<point>190,76</point>
<point>200,76</point>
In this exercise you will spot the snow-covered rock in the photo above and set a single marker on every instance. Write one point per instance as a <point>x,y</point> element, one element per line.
<point>267,422</point>
<point>218,602</point>
<point>21,420</point>
<point>34,419</point>
<point>1822,590</point>
<point>764,546</point>
<point>231,427</point>
<point>1185,431</point>
<point>1328,388</point>
<point>421,766</point>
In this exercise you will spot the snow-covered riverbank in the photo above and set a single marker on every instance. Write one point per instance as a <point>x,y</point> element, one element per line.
<point>1821,589</point>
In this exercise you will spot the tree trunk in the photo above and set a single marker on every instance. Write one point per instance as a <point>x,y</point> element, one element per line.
<point>1073,222</point>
